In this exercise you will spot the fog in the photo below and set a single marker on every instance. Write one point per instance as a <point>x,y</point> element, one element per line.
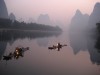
<point>58,10</point>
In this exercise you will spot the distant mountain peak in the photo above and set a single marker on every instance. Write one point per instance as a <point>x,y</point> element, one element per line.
<point>77,15</point>
<point>79,21</point>
<point>96,7</point>
<point>44,19</point>
<point>78,12</point>
<point>95,16</point>
<point>12,17</point>
<point>3,10</point>
<point>97,4</point>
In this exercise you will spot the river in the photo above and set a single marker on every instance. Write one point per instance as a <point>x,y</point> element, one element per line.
<point>79,57</point>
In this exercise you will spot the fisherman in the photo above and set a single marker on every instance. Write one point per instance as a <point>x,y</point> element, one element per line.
<point>59,45</point>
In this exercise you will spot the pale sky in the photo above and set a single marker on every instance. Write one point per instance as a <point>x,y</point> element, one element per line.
<point>58,10</point>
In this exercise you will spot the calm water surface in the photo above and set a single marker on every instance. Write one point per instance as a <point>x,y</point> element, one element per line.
<point>80,57</point>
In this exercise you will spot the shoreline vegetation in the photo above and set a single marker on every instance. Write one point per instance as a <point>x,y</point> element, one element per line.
<point>7,24</point>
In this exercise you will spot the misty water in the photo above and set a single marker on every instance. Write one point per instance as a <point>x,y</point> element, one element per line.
<point>79,57</point>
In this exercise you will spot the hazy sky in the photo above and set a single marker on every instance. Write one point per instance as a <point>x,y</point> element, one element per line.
<point>61,10</point>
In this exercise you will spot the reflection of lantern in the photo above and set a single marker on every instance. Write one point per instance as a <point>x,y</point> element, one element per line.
<point>17,53</point>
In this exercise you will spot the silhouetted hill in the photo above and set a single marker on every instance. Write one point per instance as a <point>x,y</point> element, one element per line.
<point>95,16</point>
<point>3,10</point>
<point>77,31</point>
<point>79,21</point>
<point>12,17</point>
<point>31,20</point>
<point>44,19</point>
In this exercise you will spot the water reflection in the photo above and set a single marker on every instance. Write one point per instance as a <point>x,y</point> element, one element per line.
<point>81,41</point>
<point>12,35</point>
<point>78,42</point>
<point>43,41</point>
<point>41,61</point>
<point>9,36</point>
